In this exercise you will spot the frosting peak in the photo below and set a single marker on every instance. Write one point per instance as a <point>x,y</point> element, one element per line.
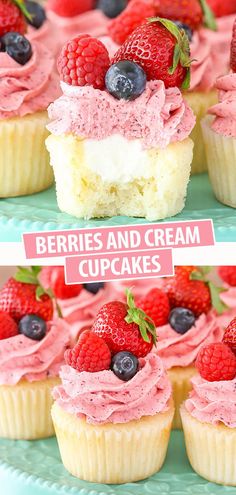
<point>225,111</point>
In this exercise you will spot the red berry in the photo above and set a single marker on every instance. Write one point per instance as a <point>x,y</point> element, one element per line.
<point>11,18</point>
<point>84,61</point>
<point>8,327</point>
<point>70,8</point>
<point>228,274</point>
<point>230,335</point>
<point>188,12</point>
<point>91,354</point>
<point>216,362</point>
<point>135,14</point>
<point>233,49</point>
<point>222,8</point>
<point>54,277</point>
<point>156,305</point>
<point>152,46</point>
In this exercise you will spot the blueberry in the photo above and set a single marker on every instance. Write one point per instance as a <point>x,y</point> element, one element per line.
<point>17,47</point>
<point>112,8</point>
<point>181,319</point>
<point>37,12</point>
<point>186,28</point>
<point>94,287</point>
<point>33,327</point>
<point>126,80</point>
<point>125,365</point>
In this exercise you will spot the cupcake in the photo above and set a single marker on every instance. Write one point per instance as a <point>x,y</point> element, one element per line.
<point>95,129</point>
<point>27,86</point>
<point>114,397</point>
<point>209,414</point>
<point>40,28</point>
<point>32,346</point>
<point>228,276</point>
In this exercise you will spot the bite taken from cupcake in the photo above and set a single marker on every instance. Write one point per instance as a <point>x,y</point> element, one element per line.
<point>209,414</point>
<point>115,396</point>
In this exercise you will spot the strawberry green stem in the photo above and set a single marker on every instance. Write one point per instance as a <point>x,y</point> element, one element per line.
<point>138,316</point>
<point>201,274</point>
<point>21,5</point>
<point>209,18</point>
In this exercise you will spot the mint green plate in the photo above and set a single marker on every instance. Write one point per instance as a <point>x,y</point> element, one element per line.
<point>34,468</point>
<point>40,212</point>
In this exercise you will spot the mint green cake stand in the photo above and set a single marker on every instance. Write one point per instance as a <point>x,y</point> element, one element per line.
<point>40,212</point>
<point>34,468</point>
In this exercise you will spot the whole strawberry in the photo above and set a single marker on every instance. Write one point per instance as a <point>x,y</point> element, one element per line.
<point>8,327</point>
<point>161,49</point>
<point>221,8</point>
<point>233,49</point>
<point>135,14</point>
<point>24,295</point>
<point>91,354</point>
<point>192,13</point>
<point>54,277</point>
<point>230,335</point>
<point>216,362</point>
<point>70,8</point>
<point>228,274</point>
<point>12,17</point>
<point>124,327</point>
<point>156,305</point>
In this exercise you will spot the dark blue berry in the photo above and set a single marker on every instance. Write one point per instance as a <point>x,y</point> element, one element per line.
<point>94,287</point>
<point>186,28</point>
<point>112,8</point>
<point>17,47</point>
<point>33,327</point>
<point>181,319</point>
<point>125,365</point>
<point>126,80</point>
<point>37,12</point>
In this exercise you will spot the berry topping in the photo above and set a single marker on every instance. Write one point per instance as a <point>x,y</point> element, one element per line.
<point>136,13</point>
<point>54,277</point>
<point>12,16</point>
<point>70,8</point>
<point>186,28</point>
<point>216,362</point>
<point>94,287</point>
<point>33,327</point>
<point>124,327</point>
<point>126,80</point>
<point>125,365</point>
<point>156,305</point>
<point>37,14</point>
<point>230,335</point>
<point>17,47</point>
<point>90,354</point>
<point>8,327</point>
<point>221,8</point>
<point>181,319</point>
<point>24,295</point>
<point>191,289</point>
<point>162,50</point>
<point>192,12</point>
<point>233,49</point>
<point>84,61</point>
<point>111,8</point>
<point>228,273</point>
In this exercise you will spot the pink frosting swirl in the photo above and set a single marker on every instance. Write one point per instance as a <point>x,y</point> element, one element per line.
<point>210,53</point>
<point>103,398</point>
<point>47,34</point>
<point>25,89</point>
<point>225,111</point>
<point>181,350</point>
<point>213,402</point>
<point>158,117</point>
<point>24,358</point>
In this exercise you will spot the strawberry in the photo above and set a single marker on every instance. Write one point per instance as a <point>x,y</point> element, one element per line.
<point>228,274</point>
<point>8,327</point>
<point>161,49</point>
<point>124,327</point>
<point>156,305</point>
<point>190,289</point>
<point>70,8</point>
<point>193,13</point>
<point>216,362</point>
<point>221,8</point>
<point>24,295</point>
<point>230,335</point>
<point>233,49</point>
<point>135,14</point>
<point>54,277</point>
<point>91,354</point>
<point>12,16</point>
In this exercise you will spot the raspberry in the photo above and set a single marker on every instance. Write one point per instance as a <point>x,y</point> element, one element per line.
<point>84,61</point>
<point>70,8</point>
<point>216,362</point>
<point>233,49</point>
<point>156,305</point>
<point>91,354</point>
<point>11,18</point>
<point>135,14</point>
<point>230,335</point>
<point>54,277</point>
<point>228,275</point>
<point>8,327</point>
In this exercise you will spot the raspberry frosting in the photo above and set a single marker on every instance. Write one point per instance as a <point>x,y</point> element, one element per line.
<point>103,398</point>
<point>181,350</point>
<point>47,34</point>
<point>213,402</point>
<point>158,117</point>
<point>25,89</point>
<point>225,111</point>
<point>31,360</point>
